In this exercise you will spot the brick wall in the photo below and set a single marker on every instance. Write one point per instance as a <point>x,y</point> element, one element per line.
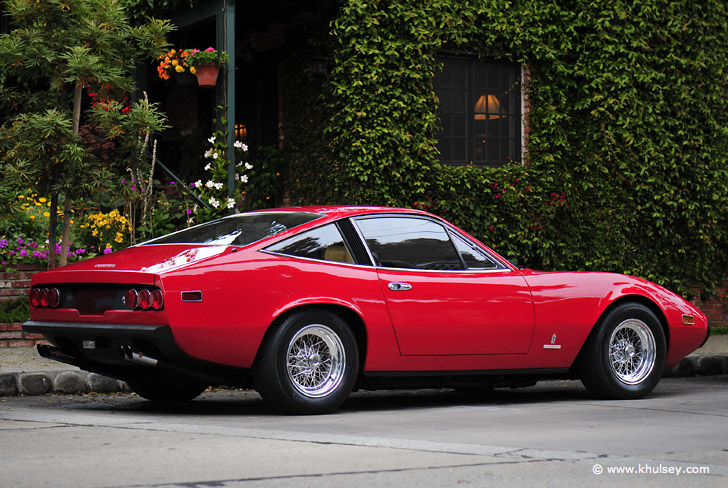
<point>716,308</point>
<point>17,286</point>
<point>13,335</point>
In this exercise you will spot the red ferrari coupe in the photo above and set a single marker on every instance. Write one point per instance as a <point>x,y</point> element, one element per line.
<point>307,304</point>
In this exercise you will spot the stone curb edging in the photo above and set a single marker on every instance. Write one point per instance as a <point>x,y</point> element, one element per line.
<point>76,381</point>
<point>34,383</point>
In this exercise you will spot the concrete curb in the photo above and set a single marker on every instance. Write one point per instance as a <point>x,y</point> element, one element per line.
<point>76,381</point>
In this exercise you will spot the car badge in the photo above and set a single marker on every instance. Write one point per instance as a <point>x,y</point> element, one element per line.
<point>553,344</point>
<point>104,265</point>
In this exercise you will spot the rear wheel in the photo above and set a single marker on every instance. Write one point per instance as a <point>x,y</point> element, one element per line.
<point>308,364</point>
<point>625,355</point>
<point>166,390</point>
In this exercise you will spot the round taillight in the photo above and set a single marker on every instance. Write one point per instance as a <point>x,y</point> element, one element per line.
<point>44,297</point>
<point>157,299</point>
<point>145,299</point>
<point>131,299</point>
<point>35,297</point>
<point>53,297</point>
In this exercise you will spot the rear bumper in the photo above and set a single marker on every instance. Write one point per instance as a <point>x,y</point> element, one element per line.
<point>107,349</point>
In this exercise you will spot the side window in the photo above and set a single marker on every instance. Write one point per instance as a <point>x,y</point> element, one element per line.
<point>473,257</point>
<point>324,243</point>
<point>409,242</point>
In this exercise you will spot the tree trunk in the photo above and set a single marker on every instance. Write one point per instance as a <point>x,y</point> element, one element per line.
<point>66,232</point>
<point>52,232</point>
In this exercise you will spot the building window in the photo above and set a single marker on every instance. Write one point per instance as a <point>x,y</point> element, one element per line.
<point>480,111</point>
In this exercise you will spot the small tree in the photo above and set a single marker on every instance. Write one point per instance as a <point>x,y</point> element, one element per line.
<point>56,50</point>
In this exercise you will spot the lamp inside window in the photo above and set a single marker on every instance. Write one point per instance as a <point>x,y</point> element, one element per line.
<point>488,107</point>
<point>241,132</point>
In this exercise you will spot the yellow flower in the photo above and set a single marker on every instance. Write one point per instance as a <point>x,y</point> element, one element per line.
<point>42,199</point>
<point>32,217</point>
<point>21,197</point>
<point>46,214</point>
<point>193,70</point>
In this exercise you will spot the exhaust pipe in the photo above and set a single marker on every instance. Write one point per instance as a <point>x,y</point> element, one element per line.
<point>137,357</point>
<point>55,354</point>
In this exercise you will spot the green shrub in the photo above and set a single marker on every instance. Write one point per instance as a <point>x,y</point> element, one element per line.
<point>13,311</point>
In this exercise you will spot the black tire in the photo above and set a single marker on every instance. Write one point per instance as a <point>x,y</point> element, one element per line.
<point>624,356</point>
<point>166,391</point>
<point>308,364</point>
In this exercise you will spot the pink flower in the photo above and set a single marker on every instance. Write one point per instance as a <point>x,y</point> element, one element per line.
<point>108,250</point>
<point>210,50</point>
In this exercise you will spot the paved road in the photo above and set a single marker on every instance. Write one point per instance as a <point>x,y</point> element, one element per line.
<point>551,434</point>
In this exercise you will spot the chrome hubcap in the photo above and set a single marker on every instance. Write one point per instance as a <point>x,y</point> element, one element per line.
<point>632,351</point>
<point>316,361</point>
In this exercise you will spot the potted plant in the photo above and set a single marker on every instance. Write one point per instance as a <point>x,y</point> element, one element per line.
<point>206,64</point>
<point>174,63</point>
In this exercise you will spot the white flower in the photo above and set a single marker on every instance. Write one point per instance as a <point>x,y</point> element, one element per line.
<point>207,168</point>
<point>244,178</point>
<point>214,155</point>
<point>211,140</point>
<point>218,186</point>
<point>248,166</point>
<point>198,184</point>
<point>240,145</point>
<point>209,184</point>
<point>239,164</point>
<point>237,177</point>
<point>213,202</point>
<point>208,153</point>
<point>230,203</point>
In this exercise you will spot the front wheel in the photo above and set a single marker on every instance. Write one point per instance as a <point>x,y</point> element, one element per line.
<point>625,355</point>
<point>308,364</point>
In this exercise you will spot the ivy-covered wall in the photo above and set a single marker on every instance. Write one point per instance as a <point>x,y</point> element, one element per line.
<point>627,128</point>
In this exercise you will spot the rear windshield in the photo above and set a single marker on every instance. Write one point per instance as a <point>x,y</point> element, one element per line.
<point>238,230</point>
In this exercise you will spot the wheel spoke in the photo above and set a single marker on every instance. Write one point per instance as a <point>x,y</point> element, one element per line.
<point>632,351</point>
<point>316,361</point>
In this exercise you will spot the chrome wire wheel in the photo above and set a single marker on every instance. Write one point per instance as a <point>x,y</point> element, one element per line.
<point>632,351</point>
<point>316,361</point>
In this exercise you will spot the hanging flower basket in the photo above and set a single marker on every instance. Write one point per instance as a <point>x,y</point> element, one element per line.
<point>207,74</point>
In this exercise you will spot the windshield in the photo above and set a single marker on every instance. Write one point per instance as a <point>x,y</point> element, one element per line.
<point>238,230</point>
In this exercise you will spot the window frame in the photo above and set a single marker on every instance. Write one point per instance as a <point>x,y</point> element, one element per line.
<point>515,115</point>
<point>452,235</point>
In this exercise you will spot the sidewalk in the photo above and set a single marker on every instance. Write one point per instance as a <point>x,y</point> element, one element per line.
<point>24,372</point>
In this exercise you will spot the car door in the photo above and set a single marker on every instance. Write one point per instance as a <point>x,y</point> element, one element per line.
<point>445,295</point>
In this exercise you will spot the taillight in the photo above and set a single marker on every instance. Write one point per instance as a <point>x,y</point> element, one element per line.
<point>131,299</point>
<point>45,297</point>
<point>53,297</point>
<point>157,299</point>
<point>144,299</point>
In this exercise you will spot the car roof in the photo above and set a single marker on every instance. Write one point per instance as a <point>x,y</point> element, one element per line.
<point>342,211</point>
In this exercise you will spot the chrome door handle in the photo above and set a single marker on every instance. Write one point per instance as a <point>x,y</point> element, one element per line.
<point>399,286</point>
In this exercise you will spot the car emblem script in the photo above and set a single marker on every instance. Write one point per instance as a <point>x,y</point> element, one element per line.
<point>104,265</point>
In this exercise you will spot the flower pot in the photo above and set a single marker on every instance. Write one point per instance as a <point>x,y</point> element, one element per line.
<point>207,74</point>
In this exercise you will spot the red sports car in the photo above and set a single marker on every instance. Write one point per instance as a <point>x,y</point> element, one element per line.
<point>307,304</point>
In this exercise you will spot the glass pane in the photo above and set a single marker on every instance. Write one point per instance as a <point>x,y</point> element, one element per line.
<point>324,243</point>
<point>409,242</point>
<point>474,257</point>
<point>238,230</point>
